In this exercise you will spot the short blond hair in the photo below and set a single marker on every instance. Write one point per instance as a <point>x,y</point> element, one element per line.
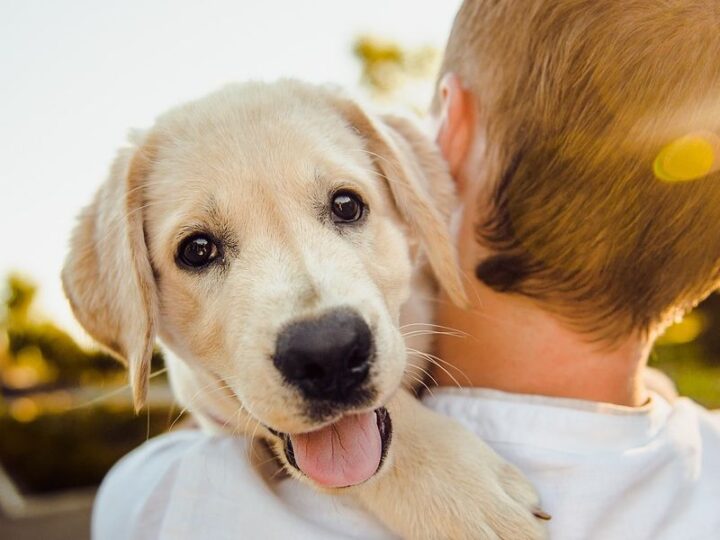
<point>577,98</point>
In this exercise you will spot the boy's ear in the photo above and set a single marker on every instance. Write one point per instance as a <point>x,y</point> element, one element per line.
<point>456,127</point>
<point>419,183</point>
<point>107,275</point>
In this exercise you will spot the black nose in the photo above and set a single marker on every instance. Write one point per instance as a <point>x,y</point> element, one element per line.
<point>328,357</point>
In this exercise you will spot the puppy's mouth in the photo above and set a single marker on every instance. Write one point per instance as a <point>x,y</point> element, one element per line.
<point>344,453</point>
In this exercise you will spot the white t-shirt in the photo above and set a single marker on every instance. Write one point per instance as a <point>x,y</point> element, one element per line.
<point>603,472</point>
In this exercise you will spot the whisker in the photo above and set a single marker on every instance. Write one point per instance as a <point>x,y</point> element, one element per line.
<point>206,387</point>
<point>112,393</point>
<point>424,371</point>
<point>433,325</point>
<point>182,411</point>
<point>421,382</point>
<point>437,361</point>
<point>415,333</point>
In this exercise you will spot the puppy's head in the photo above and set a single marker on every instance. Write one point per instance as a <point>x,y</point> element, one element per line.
<point>267,235</point>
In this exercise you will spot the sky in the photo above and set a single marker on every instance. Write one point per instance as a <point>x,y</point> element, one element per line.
<point>77,75</point>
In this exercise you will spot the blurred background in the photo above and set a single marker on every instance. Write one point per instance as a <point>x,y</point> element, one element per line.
<point>78,76</point>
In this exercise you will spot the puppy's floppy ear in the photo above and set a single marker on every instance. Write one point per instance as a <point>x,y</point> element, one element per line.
<point>420,184</point>
<point>107,275</point>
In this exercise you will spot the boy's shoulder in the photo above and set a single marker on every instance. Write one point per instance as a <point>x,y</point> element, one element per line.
<point>700,427</point>
<point>603,470</point>
<point>190,485</point>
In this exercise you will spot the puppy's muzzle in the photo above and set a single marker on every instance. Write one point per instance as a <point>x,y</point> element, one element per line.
<point>327,358</point>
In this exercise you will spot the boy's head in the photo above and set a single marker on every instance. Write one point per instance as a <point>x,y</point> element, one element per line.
<point>573,127</point>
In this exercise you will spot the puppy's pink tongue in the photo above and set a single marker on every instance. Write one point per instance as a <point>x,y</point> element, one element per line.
<point>345,453</point>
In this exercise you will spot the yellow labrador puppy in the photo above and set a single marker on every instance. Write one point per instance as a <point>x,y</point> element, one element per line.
<point>276,238</point>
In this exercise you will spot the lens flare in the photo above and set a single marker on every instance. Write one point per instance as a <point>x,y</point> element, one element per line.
<point>690,157</point>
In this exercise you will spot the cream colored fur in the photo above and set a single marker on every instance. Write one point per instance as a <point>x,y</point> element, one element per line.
<point>255,163</point>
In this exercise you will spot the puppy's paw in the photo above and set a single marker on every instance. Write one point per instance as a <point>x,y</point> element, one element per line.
<point>441,481</point>
<point>510,505</point>
<point>478,496</point>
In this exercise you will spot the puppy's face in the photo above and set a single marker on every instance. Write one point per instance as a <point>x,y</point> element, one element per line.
<point>266,233</point>
<point>281,262</point>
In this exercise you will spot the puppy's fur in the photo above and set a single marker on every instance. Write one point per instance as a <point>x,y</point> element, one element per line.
<point>255,165</point>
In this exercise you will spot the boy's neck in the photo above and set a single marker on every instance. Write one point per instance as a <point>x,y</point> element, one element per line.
<point>514,346</point>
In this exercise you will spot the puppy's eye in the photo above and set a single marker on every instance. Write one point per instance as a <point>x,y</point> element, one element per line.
<point>347,207</point>
<point>197,251</point>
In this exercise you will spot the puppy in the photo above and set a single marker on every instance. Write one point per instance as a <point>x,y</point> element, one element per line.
<point>277,239</point>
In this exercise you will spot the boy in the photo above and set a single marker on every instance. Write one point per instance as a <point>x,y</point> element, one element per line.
<point>585,140</point>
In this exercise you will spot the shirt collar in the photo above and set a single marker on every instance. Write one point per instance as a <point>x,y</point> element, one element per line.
<point>570,425</point>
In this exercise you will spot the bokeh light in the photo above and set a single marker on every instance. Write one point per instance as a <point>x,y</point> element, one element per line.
<point>690,157</point>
